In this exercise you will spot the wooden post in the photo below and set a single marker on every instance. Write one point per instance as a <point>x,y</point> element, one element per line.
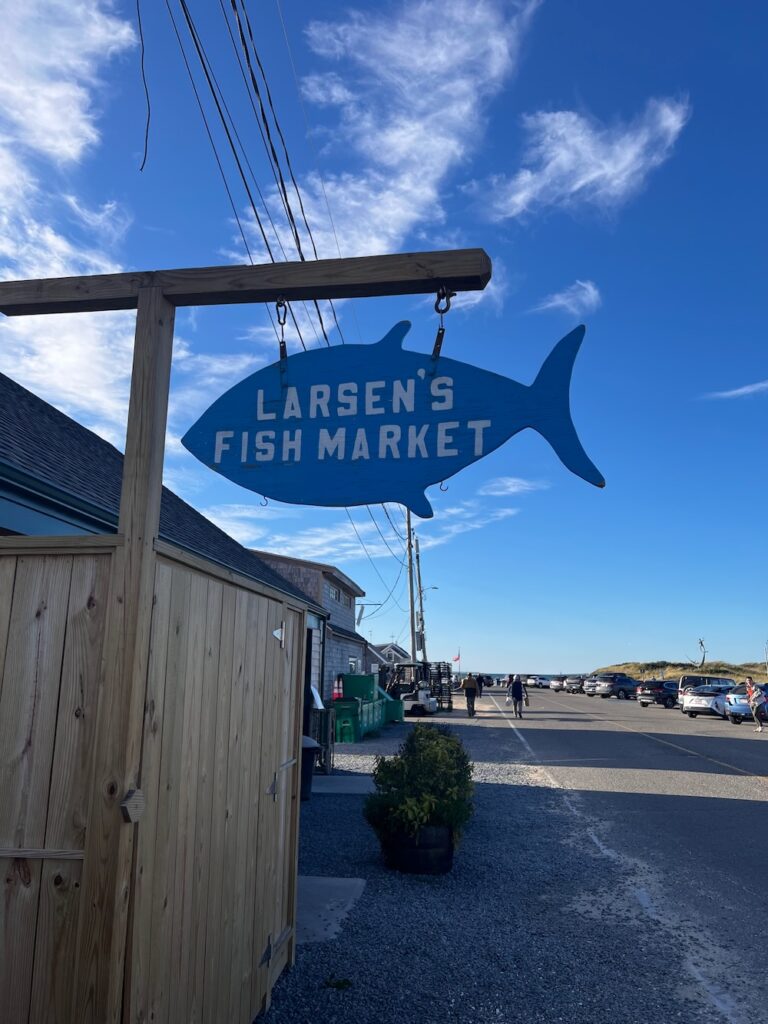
<point>105,897</point>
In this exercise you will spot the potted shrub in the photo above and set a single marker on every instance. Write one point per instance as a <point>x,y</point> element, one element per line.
<point>422,801</point>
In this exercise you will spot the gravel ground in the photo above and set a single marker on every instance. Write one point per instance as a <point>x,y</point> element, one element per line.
<point>512,934</point>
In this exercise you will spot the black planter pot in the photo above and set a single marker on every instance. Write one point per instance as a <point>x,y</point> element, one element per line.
<point>428,853</point>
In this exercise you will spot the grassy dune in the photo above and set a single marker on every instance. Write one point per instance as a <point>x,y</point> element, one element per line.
<point>672,669</point>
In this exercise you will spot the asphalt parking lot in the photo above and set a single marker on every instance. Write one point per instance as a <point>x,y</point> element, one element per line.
<point>612,874</point>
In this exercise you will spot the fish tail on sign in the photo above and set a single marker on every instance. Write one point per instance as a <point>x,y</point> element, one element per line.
<point>550,392</point>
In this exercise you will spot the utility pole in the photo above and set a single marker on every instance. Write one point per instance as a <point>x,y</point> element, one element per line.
<point>421,603</point>
<point>410,583</point>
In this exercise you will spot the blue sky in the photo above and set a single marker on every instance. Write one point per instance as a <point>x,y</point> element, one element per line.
<point>609,157</point>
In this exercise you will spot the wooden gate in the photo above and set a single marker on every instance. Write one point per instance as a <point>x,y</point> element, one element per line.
<point>215,872</point>
<point>212,896</point>
<point>52,612</point>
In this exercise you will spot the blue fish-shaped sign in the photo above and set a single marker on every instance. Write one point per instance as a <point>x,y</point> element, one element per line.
<point>365,424</point>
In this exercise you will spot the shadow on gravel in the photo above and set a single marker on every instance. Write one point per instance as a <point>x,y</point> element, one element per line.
<point>493,942</point>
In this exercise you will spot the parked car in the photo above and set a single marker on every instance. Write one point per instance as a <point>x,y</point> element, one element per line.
<point>613,684</point>
<point>537,681</point>
<point>574,684</point>
<point>686,684</point>
<point>557,683</point>
<point>736,706</point>
<point>657,691</point>
<point>704,700</point>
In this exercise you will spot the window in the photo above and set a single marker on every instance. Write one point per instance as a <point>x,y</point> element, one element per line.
<point>335,593</point>
<point>346,600</point>
<point>353,666</point>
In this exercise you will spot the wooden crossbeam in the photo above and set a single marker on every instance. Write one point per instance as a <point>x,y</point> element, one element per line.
<point>399,274</point>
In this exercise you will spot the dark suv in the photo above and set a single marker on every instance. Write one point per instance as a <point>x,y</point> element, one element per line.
<point>611,684</point>
<point>657,691</point>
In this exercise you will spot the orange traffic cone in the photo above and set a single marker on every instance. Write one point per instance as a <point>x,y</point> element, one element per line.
<point>338,687</point>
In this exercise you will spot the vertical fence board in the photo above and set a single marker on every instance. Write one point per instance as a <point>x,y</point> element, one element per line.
<point>249,835</point>
<point>268,838</point>
<point>293,777</point>
<point>231,898</point>
<point>187,796</point>
<point>163,882</point>
<point>70,778</point>
<point>137,1009</point>
<point>214,931</point>
<point>205,781</point>
<point>7,576</point>
<point>32,675</point>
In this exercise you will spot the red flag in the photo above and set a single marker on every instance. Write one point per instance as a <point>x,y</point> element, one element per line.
<point>458,657</point>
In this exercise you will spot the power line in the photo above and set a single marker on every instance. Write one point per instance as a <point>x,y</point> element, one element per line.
<point>396,532</point>
<point>204,63</point>
<point>214,148</point>
<point>265,121</point>
<point>365,549</point>
<point>319,173</point>
<point>386,542</point>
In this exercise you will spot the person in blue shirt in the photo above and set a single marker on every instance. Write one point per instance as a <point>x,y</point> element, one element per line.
<point>518,693</point>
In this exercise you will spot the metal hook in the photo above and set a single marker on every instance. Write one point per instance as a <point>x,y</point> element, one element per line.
<point>443,486</point>
<point>263,501</point>
<point>443,295</point>
<point>281,310</point>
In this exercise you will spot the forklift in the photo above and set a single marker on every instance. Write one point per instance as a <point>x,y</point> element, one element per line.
<point>424,687</point>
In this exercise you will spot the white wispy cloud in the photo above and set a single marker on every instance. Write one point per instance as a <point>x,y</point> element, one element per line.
<point>338,541</point>
<point>743,392</point>
<point>506,485</point>
<point>49,74</point>
<point>411,94</point>
<point>53,53</point>
<point>572,159</point>
<point>579,297</point>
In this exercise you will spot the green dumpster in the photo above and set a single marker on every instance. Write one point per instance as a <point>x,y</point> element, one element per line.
<point>348,720</point>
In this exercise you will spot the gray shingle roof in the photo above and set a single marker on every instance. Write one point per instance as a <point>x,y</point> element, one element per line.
<point>41,445</point>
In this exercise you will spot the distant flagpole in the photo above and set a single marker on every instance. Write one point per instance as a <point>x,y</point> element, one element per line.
<point>458,658</point>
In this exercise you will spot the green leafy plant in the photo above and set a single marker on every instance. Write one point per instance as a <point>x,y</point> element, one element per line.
<point>428,782</point>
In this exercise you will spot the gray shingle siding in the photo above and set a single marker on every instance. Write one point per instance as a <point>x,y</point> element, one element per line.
<point>48,452</point>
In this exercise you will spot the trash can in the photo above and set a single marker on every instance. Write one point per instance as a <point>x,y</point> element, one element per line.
<point>309,750</point>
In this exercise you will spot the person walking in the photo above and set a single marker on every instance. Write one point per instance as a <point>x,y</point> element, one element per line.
<point>518,691</point>
<point>756,701</point>
<point>469,686</point>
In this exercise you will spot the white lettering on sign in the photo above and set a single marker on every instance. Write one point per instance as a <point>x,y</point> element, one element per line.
<point>332,444</point>
<point>444,439</point>
<point>360,447</point>
<point>478,426</point>
<point>221,444</point>
<point>416,440</point>
<point>441,390</point>
<point>260,413</point>
<point>372,398</point>
<point>264,446</point>
<point>292,410</point>
<point>292,445</point>
<point>346,396</point>
<point>389,439</point>
<point>403,396</point>
<point>319,396</point>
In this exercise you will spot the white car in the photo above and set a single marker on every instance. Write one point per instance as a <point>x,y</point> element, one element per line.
<point>705,700</point>
<point>537,681</point>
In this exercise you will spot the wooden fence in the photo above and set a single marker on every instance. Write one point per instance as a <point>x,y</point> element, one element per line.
<point>210,906</point>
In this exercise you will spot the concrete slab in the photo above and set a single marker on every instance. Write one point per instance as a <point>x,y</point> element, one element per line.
<point>341,784</point>
<point>323,903</point>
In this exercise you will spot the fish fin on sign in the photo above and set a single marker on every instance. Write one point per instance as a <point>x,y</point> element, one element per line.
<point>553,412</point>
<point>394,337</point>
<point>419,504</point>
